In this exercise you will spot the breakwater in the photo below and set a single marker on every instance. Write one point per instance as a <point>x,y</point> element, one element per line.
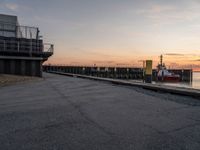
<point>115,72</point>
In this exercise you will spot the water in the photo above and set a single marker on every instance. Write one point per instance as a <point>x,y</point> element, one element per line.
<point>196,80</point>
<point>194,84</point>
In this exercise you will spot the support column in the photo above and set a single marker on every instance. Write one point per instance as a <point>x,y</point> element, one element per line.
<point>33,68</point>
<point>23,67</point>
<point>2,66</point>
<point>12,66</point>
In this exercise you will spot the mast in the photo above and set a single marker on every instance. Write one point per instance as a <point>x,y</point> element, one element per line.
<point>161,60</point>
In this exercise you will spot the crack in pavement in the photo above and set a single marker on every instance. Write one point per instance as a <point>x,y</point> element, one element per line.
<point>78,108</point>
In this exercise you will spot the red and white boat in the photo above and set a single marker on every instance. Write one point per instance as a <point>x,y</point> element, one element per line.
<point>165,76</point>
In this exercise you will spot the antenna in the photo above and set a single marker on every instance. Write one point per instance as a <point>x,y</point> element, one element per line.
<point>161,60</point>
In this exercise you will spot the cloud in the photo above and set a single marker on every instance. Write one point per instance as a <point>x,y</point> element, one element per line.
<point>123,64</point>
<point>170,14</point>
<point>104,62</point>
<point>174,54</point>
<point>12,6</point>
<point>96,53</point>
<point>197,60</point>
<point>155,9</point>
<point>75,63</point>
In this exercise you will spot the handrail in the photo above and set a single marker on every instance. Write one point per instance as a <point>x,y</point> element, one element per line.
<point>18,31</point>
<point>25,47</point>
<point>49,48</point>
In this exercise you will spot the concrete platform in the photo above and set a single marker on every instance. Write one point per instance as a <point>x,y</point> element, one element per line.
<point>155,87</point>
<point>65,113</point>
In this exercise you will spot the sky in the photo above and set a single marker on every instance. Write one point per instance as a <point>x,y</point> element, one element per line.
<point>115,32</point>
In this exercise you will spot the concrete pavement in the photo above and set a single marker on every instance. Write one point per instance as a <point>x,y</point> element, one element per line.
<point>65,113</point>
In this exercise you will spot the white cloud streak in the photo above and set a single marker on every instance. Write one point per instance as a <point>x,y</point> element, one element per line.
<point>12,6</point>
<point>170,14</point>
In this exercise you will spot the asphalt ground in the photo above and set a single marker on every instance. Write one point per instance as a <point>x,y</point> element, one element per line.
<point>66,113</point>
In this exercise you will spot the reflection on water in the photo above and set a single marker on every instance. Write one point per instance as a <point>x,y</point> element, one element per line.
<point>196,80</point>
<point>194,84</point>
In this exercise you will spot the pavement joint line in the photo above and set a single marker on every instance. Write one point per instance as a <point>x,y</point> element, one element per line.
<point>167,89</point>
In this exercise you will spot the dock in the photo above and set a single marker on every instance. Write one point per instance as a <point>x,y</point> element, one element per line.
<point>63,112</point>
<point>127,73</point>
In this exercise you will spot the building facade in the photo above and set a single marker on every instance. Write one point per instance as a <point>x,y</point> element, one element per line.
<point>22,51</point>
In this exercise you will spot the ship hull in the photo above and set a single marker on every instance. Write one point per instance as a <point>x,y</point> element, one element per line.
<point>169,79</point>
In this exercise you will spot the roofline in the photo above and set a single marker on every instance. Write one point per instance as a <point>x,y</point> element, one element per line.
<point>9,15</point>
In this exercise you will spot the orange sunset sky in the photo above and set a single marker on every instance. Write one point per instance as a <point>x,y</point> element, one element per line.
<point>115,32</point>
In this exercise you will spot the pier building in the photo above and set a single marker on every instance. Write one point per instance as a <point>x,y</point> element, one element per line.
<point>22,50</point>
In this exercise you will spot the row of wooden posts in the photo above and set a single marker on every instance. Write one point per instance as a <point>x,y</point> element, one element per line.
<point>115,72</point>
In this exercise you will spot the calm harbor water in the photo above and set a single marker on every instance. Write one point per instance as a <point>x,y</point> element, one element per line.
<point>194,84</point>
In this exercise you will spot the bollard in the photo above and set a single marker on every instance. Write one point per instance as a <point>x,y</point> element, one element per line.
<point>148,73</point>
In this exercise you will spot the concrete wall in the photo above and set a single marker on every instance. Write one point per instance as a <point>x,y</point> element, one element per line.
<point>8,19</point>
<point>8,25</point>
<point>29,67</point>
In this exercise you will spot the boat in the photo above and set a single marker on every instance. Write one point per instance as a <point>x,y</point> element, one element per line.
<point>165,75</point>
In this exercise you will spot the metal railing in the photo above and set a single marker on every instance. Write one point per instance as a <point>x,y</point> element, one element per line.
<point>26,46</point>
<point>22,39</point>
<point>27,32</point>
<point>13,30</point>
<point>47,47</point>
